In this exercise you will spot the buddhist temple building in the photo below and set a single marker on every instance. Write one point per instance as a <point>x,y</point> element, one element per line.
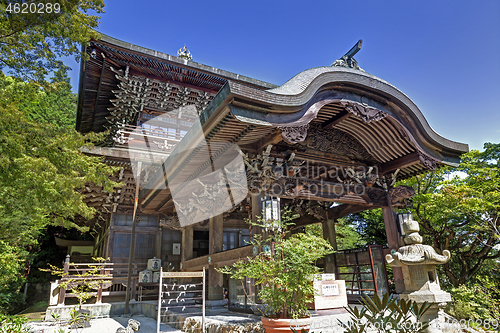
<point>208,149</point>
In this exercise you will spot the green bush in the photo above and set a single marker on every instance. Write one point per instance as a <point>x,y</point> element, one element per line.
<point>477,301</point>
<point>11,278</point>
<point>13,324</point>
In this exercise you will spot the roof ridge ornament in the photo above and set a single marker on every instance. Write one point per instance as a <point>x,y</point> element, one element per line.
<point>347,59</point>
<point>184,53</point>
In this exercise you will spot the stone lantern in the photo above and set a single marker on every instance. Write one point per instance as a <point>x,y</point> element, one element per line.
<point>418,263</point>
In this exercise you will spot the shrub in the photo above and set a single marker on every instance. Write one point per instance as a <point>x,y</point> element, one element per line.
<point>475,301</point>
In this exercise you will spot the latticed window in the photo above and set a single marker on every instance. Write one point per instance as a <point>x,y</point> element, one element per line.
<point>145,220</point>
<point>144,245</point>
<point>121,245</point>
<point>230,240</point>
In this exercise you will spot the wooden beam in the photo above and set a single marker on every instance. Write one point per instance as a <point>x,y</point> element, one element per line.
<point>187,244</point>
<point>305,220</point>
<point>399,163</point>
<point>346,209</point>
<point>325,158</point>
<point>335,120</point>
<point>218,259</point>
<point>330,234</point>
<point>270,139</point>
<point>334,213</point>
<point>215,234</point>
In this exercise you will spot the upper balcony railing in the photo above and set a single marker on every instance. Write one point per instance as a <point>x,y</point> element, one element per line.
<point>160,139</point>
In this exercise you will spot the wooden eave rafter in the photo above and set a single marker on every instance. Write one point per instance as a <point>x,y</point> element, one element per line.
<point>94,103</point>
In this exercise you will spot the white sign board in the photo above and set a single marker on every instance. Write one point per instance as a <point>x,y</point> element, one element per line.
<point>176,249</point>
<point>330,290</point>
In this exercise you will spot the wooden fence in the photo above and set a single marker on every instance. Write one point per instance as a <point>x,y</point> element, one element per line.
<point>113,274</point>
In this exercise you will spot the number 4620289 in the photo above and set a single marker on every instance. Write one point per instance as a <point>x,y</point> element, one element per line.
<point>33,8</point>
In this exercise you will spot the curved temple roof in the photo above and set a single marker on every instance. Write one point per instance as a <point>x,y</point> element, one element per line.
<point>316,96</point>
<point>326,116</point>
<point>363,120</point>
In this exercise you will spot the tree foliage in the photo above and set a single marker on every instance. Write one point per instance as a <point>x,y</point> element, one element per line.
<point>32,43</point>
<point>461,214</point>
<point>370,226</point>
<point>42,169</point>
<point>347,235</point>
<point>41,163</point>
<point>476,301</point>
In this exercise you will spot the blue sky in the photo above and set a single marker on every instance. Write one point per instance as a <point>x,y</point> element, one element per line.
<point>445,55</point>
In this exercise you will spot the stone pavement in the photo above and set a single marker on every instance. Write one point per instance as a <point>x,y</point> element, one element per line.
<point>217,320</point>
<point>105,325</point>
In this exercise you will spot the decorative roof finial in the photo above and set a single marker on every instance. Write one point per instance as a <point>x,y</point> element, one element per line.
<point>347,59</point>
<point>184,53</point>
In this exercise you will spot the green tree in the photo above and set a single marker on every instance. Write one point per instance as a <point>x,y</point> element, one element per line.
<point>285,269</point>
<point>41,163</point>
<point>42,169</point>
<point>347,236</point>
<point>32,43</point>
<point>53,103</point>
<point>10,265</point>
<point>370,226</point>
<point>56,103</point>
<point>461,214</point>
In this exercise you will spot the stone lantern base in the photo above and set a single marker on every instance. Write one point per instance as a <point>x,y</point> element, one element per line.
<point>438,299</point>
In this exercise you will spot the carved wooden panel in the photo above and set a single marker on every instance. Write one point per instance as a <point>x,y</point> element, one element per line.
<point>336,142</point>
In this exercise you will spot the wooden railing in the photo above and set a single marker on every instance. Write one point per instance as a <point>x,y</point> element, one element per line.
<point>164,139</point>
<point>113,276</point>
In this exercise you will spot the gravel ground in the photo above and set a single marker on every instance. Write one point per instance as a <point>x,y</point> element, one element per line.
<point>104,325</point>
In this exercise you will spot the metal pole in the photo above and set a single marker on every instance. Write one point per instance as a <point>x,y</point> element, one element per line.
<point>132,239</point>
<point>160,294</point>
<point>203,305</point>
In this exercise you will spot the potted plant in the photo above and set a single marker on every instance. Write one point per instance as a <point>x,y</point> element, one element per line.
<point>284,269</point>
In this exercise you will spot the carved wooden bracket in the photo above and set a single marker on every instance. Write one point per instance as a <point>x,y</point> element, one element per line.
<point>429,162</point>
<point>400,196</point>
<point>294,134</point>
<point>366,112</point>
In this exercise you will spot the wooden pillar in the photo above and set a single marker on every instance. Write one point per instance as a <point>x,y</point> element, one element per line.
<point>256,211</point>
<point>187,243</point>
<point>393,242</point>
<point>330,234</point>
<point>111,237</point>
<point>215,243</point>
<point>159,238</point>
<point>215,234</point>
<point>62,291</point>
